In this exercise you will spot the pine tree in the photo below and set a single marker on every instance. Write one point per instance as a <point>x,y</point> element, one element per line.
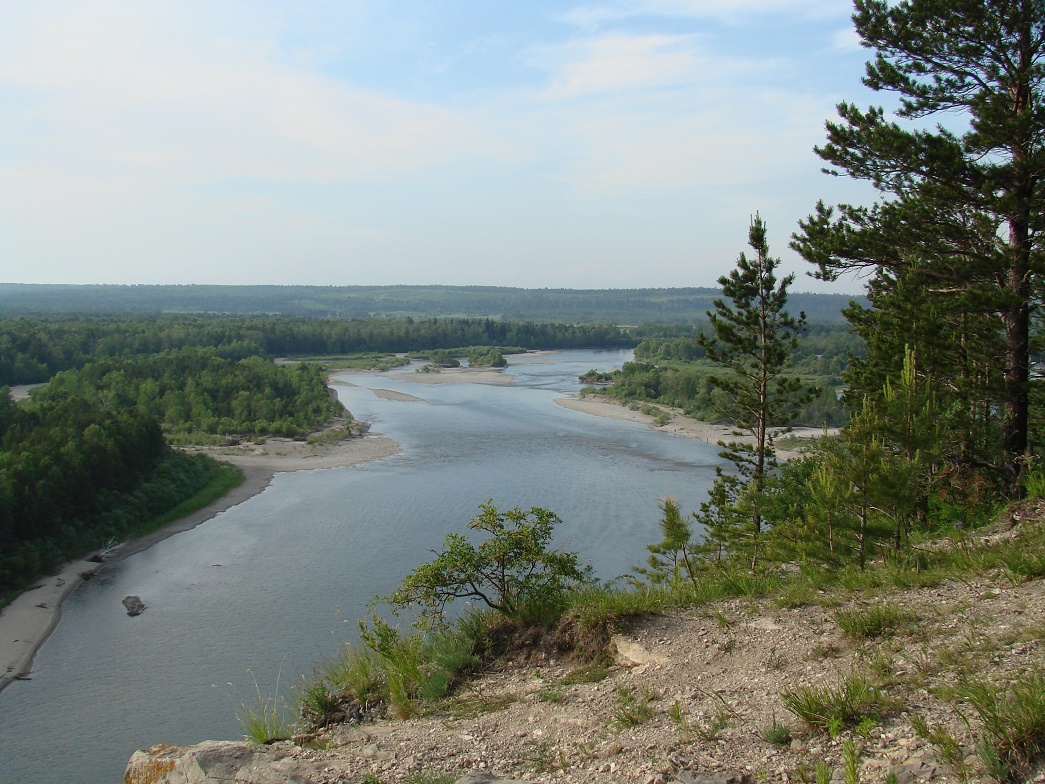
<point>963,208</point>
<point>753,339</point>
<point>955,349</point>
<point>670,559</point>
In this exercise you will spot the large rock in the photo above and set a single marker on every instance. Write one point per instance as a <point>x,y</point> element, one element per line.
<point>134,605</point>
<point>630,653</point>
<point>218,762</point>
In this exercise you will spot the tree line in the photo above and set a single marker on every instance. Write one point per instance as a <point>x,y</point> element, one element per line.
<point>587,306</point>
<point>34,348</point>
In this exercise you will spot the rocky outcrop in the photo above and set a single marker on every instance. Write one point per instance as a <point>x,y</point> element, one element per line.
<point>220,762</point>
<point>212,762</point>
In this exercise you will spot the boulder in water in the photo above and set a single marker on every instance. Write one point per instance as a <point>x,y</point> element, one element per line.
<point>134,605</point>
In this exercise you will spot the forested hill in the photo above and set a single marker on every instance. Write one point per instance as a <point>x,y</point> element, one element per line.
<point>620,306</point>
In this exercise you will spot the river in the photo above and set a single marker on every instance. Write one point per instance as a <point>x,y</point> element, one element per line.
<point>264,591</point>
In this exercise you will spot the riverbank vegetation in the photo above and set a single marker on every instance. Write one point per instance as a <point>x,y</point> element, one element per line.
<point>192,391</point>
<point>86,461</point>
<point>75,477</point>
<point>676,372</point>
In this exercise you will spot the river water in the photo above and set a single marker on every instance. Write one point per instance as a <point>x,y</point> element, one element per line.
<point>264,591</point>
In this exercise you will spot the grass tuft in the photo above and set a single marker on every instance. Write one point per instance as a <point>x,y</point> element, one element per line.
<point>632,710</point>
<point>1012,723</point>
<point>836,708</point>
<point>870,622</point>
<point>777,733</point>
<point>265,719</point>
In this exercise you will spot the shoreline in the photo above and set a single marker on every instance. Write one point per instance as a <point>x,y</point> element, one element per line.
<point>680,424</point>
<point>27,623</point>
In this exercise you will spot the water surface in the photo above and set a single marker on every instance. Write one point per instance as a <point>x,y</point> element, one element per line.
<point>265,590</point>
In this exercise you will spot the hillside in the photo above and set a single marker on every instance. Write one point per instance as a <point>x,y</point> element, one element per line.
<point>695,694</point>
<point>619,306</point>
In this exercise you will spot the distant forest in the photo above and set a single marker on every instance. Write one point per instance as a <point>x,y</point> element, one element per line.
<point>577,306</point>
<point>34,348</point>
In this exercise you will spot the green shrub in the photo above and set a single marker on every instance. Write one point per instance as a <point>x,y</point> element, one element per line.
<point>513,571</point>
<point>357,673</point>
<point>316,703</point>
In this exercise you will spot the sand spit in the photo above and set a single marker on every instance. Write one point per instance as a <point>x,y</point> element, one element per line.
<point>402,397</point>
<point>680,425</point>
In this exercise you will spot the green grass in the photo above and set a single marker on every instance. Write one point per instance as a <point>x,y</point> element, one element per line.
<point>834,708</point>
<point>588,673</point>
<point>1012,723</point>
<point>357,673</point>
<point>776,732</point>
<point>864,623</point>
<point>265,719</point>
<point>631,708</point>
<point>798,593</point>
<point>946,746</point>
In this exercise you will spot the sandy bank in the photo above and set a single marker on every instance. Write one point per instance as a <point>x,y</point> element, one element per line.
<point>680,425</point>
<point>277,455</point>
<point>21,391</point>
<point>29,620</point>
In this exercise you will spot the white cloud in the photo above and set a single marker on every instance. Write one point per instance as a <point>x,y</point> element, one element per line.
<point>846,40</point>
<point>591,16</point>
<point>642,113</point>
<point>619,62</point>
<point>126,96</point>
<point>199,140</point>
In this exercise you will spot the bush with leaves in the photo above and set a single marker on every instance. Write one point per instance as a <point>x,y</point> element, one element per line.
<point>513,571</point>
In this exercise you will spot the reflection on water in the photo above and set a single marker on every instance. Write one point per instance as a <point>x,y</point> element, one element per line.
<point>266,589</point>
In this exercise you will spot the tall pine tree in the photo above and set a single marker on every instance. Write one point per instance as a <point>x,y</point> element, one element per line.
<point>753,338</point>
<point>962,207</point>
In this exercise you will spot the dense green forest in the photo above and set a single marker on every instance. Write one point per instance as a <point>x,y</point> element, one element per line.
<point>586,306</point>
<point>34,348</point>
<point>75,475</point>
<point>87,459</point>
<point>196,390</point>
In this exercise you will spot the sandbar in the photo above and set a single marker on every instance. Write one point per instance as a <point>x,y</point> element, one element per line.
<point>28,621</point>
<point>466,375</point>
<point>402,397</point>
<point>680,424</point>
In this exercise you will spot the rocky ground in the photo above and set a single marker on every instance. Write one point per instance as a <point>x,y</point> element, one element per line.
<point>694,693</point>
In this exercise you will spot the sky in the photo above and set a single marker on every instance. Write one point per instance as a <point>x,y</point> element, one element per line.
<point>532,143</point>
